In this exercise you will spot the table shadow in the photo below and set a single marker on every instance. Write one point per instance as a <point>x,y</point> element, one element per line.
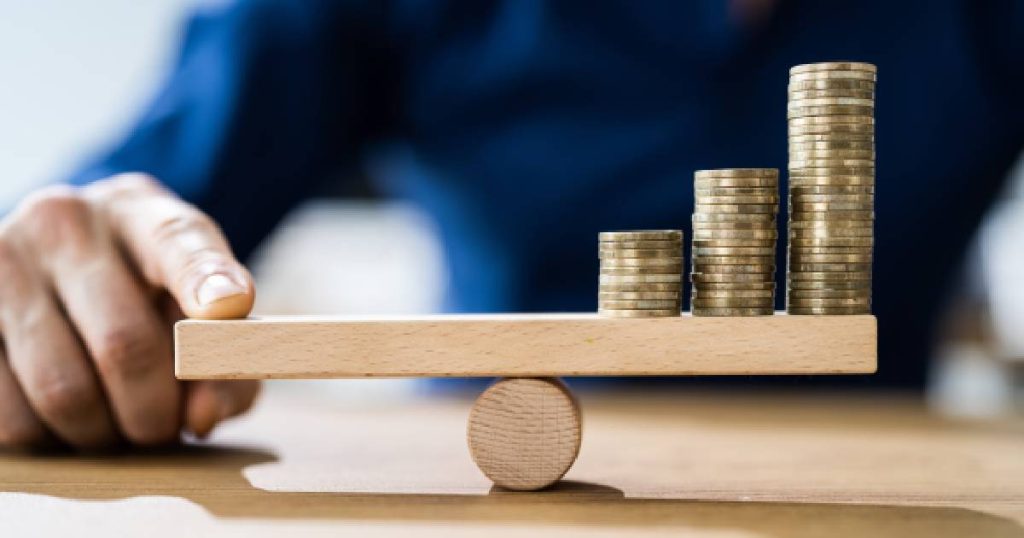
<point>212,477</point>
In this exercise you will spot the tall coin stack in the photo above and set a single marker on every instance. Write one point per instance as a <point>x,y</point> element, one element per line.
<point>641,273</point>
<point>734,235</point>
<point>831,187</point>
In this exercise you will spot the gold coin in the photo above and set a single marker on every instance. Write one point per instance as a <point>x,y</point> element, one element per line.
<point>639,254</point>
<point>735,208</point>
<point>836,276</point>
<point>829,233</point>
<point>736,286</point>
<point>827,145</point>
<point>737,191</point>
<point>833,66</point>
<point>734,251</point>
<point>735,226</point>
<point>831,242</point>
<point>767,218</point>
<point>829,110</point>
<point>838,190</point>
<point>831,181</point>
<point>828,267</point>
<point>831,84</point>
<point>794,95</point>
<point>638,305</point>
<point>830,258</point>
<point>827,163</point>
<point>634,271</point>
<point>640,279</point>
<point>830,129</point>
<point>830,294</point>
<point>617,263</point>
<point>641,287</point>
<point>825,285</point>
<point>829,216</point>
<point>830,302</point>
<point>831,206</point>
<point>864,138</point>
<point>711,235</point>
<point>829,102</point>
<point>732,312</point>
<point>767,200</point>
<point>796,250</point>
<point>829,311</point>
<point>733,243</point>
<point>734,260</point>
<point>803,155</point>
<point>858,199</point>
<point>666,313</point>
<point>733,294</point>
<point>728,182</point>
<point>737,172</point>
<point>699,278</point>
<point>832,75</point>
<point>714,268</point>
<point>833,121</point>
<point>639,296</point>
<point>640,245</point>
<point>739,302</point>
<point>642,235</point>
<point>861,227</point>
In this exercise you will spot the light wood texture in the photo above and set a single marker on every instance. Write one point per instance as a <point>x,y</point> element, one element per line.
<point>697,465</point>
<point>523,345</point>
<point>524,433</point>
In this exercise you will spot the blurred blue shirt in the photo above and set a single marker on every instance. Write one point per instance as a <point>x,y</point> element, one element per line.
<point>525,127</point>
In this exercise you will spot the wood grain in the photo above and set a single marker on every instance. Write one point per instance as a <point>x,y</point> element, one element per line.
<point>523,345</point>
<point>524,433</point>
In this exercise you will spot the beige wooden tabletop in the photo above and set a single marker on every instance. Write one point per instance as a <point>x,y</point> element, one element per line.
<point>708,464</point>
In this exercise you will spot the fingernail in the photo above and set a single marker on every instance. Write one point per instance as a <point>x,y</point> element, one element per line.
<point>217,287</point>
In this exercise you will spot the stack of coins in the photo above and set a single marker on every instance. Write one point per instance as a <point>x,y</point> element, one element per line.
<point>831,188</point>
<point>641,273</point>
<point>734,235</point>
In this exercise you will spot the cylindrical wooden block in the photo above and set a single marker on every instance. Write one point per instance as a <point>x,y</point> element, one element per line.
<point>524,433</point>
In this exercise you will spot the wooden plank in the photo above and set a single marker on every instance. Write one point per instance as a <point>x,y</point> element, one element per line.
<point>523,345</point>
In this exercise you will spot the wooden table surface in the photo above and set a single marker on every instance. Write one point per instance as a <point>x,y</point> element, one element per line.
<point>706,464</point>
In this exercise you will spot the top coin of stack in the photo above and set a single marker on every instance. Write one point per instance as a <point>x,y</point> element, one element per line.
<point>734,235</point>
<point>641,273</point>
<point>831,187</point>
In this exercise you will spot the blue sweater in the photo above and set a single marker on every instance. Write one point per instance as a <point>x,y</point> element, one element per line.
<point>525,127</point>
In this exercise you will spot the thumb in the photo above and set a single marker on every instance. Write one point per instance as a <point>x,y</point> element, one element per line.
<point>176,246</point>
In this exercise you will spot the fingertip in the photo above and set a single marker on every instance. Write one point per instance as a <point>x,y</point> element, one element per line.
<point>223,296</point>
<point>202,410</point>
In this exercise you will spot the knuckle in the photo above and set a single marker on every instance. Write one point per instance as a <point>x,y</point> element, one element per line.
<point>190,221</point>
<point>54,215</point>
<point>126,185</point>
<point>123,352</point>
<point>63,398</point>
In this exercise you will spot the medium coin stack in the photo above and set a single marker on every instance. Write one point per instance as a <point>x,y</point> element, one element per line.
<point>641,273</point>
<point>734,235</point>
<point>831,188</point>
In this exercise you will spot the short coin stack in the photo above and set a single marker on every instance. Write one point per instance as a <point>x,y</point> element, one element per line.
<point>734,235</point>
<point>831,188</point>
<point>641,273</point>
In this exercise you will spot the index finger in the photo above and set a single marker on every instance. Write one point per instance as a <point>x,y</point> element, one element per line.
<point>176,247</point>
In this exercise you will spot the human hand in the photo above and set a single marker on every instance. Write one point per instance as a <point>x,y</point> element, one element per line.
<point>91,281</point>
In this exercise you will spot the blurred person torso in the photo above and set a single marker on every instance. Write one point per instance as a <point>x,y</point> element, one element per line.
<point>525,127</point>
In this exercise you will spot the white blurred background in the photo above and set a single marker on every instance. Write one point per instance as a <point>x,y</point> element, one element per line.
<point>76,73</point>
